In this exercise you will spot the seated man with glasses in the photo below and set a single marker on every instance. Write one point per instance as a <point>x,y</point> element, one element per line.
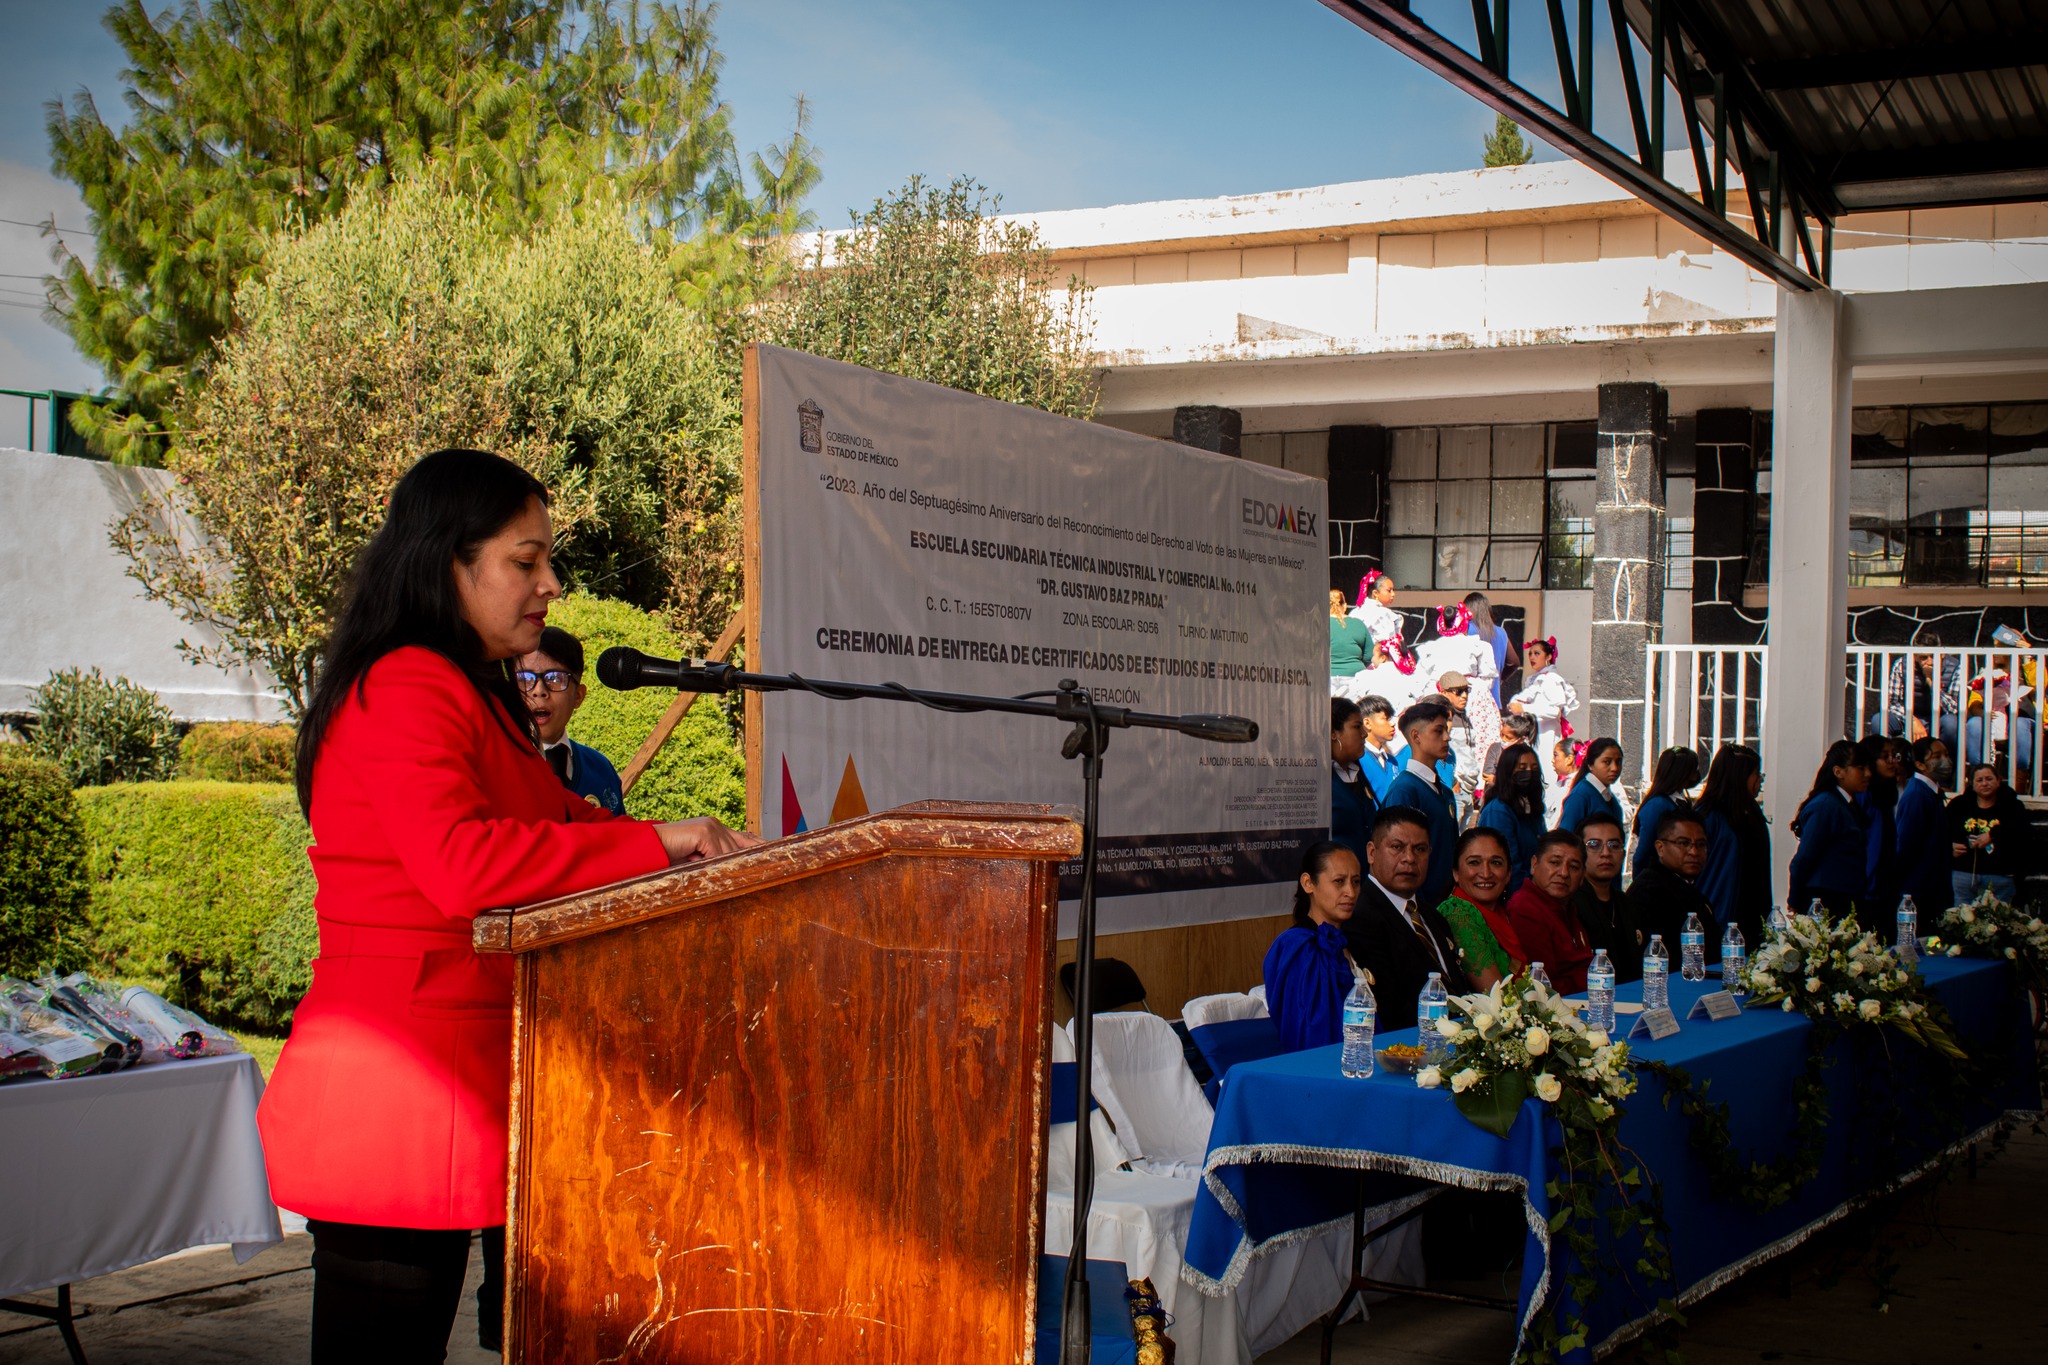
<point>1666,890</point>
<point>1602,909</point>
<point>550,681</point>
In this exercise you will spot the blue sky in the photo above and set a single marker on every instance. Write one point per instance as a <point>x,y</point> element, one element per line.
<point>1056,104</point>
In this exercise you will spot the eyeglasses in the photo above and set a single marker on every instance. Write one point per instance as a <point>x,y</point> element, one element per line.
<point>1604,845</point>
<point>1684,844</point>
<point>1457,691</point>
<point>554,680</point>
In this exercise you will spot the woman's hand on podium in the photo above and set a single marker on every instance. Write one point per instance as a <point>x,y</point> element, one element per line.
<point>702,837</point>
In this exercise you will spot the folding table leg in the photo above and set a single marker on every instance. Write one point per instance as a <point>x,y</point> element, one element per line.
<point>59,1313</point>
<point>1360,1281</point>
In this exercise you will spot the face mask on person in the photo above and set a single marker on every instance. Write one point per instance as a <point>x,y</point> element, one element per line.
<point>1941,771</point>
<point>1529,784</point>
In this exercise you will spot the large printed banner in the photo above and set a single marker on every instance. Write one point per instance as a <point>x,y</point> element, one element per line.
<point>910,533</point>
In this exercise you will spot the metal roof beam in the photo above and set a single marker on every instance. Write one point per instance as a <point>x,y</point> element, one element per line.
<point>1393,23</point>
<point>1901,64</point>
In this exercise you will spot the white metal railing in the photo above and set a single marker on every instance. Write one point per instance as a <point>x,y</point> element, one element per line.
<point>1701,697</point>
<point>1984,703</point>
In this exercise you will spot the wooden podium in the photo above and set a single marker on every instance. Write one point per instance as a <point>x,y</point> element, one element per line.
<point>788,1104</point>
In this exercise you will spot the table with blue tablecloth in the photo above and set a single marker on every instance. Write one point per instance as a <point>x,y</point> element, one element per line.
<point>1292,1135</point>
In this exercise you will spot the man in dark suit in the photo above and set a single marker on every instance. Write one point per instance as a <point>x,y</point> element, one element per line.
<point>1391,933</point>
<point>1427,727</point>
<point>1664,892</point>
<point>1352,806</point>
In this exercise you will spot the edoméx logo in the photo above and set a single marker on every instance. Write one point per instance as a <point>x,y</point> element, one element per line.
<point>1273,516</point>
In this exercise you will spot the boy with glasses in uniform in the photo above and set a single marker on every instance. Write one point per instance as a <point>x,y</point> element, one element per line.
<point>550,681</point>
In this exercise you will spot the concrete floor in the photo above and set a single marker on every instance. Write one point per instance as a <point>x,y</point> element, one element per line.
<point>1967,1286</point>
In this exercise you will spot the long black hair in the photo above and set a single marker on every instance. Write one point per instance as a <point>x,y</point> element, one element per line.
<point>1883,791</point>
<point>1314,860</point>
<point>402,589</point>
<point>1677,769</point>
<point>1503,788</point>
<point>1727,789</point>
<point>1840,754</point>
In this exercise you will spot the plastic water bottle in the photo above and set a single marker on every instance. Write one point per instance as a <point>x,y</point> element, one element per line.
<point>1656,975</point>
<point>1734,957</point>
<point>1541,977</point>
<point>1600,992</point>
<point>1692,949</point>
<point>1909,934</point>
<point>1779,924</point>
<point>1816,911</point>
<point>1433,1004</point>
<point>1359,1011</point>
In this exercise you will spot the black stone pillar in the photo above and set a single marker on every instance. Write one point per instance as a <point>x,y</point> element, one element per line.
<point>1628,555</point>
<point>1358,504</point>
<point>1209,428</point>
<point>1723,490</point>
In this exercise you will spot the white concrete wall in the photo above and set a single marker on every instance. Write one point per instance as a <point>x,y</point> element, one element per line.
<point>66,600</point>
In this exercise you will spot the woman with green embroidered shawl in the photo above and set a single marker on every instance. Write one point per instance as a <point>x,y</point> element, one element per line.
<point>1487,945</point>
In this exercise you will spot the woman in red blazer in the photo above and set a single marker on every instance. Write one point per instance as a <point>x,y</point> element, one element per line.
<point>385,1121</point>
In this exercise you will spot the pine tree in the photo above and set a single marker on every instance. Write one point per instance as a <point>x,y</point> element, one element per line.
<point>1505,145</point>
<point>251,117</point>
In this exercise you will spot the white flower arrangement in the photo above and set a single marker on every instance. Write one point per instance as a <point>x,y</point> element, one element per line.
<point>1520,1040</point>
<point>1846,975</point>
<point>1988,927</point>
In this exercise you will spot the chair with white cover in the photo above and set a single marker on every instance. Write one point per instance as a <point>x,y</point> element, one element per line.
<point>1142,1079</point>
<point>1141,1220</point>
<point>1258,992</point>
<point>1205,1010</point>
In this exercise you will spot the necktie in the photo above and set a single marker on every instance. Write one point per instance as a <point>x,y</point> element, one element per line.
<point>558,758</point>
<point>1422,932</point>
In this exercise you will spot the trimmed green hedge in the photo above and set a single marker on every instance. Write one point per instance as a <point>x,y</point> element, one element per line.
<point>43,888</point>
<point>237,751</point>
<point>700,771</point>
<point>203,890</point>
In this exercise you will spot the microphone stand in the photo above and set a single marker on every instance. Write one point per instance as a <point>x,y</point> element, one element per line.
<point>1086,741</point>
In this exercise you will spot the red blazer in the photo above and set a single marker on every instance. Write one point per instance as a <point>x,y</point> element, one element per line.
<point>388,1104</point>
<point>1551,931</point>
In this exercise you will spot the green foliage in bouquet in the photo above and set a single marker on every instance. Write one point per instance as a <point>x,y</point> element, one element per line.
<point>237,751</point>
<point>101,730</point>
<point>1842,978</point>
<point>202,890</point>
<point>43,887</point>
<point>1521,1041</point>
<point>700,771</point>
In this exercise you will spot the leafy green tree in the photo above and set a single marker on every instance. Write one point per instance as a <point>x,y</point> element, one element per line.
<point>1505,145</point>
<point>251,118</point>
<point>929,284</point>
<point>408,322</point>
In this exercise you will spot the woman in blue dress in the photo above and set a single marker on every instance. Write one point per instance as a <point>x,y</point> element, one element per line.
<point>1736,879</point>
<point>1592,789</point>
<point>1514,809</point>
<point>1308,972</point>
<point>1832,864</point>
<point>1676,773</point>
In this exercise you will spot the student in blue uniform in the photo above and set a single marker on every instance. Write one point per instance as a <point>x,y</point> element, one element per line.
<point>1376,760</point>
<point>1352,805</point>
<point>1671,784</point>
<point>1592,789</point>
<point>1427,727</point>
<point>1832,864</point>
<point>551,684</point>
<point>1514,809</point>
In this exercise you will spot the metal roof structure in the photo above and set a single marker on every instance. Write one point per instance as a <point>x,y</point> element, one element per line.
<point>1810,109</point>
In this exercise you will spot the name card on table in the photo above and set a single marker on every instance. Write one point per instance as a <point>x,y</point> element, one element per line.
<point>1658,1023</point>
<point>1716,1005</point>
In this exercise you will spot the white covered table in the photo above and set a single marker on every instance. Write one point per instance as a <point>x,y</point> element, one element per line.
<point>107,1172</point>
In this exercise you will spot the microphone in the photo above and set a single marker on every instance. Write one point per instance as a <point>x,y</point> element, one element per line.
<point>624,668</point>
<point>1222,729</point>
